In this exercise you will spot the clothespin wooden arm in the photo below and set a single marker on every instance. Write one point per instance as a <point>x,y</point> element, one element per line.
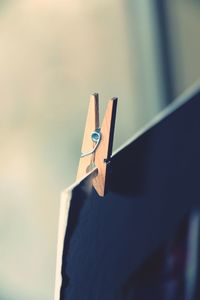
<point>96,153</point>
<point>92,123</point>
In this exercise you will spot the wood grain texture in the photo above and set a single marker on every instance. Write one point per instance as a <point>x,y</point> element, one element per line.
<point>100,158</point>
<point>104,150</point>
<point>92,123</point>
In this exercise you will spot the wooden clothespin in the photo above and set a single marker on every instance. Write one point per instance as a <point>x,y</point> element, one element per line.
<point>97,143</point>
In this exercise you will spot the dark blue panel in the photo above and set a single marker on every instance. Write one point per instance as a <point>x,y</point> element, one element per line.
<point>154,182</point>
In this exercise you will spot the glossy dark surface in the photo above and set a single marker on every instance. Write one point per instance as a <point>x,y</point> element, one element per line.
<point>154,182</point>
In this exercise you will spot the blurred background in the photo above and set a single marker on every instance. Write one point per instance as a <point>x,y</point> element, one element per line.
<point>53,55</point>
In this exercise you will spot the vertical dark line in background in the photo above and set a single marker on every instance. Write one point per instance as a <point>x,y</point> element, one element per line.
<point>161,13</point>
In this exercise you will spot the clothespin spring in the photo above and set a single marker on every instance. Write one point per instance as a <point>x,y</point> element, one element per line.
<point>96,138</point>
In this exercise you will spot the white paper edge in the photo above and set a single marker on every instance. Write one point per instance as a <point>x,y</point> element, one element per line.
<point>65,201</point>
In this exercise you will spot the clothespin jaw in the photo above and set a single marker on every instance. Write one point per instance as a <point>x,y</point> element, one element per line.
<point>97,143</point>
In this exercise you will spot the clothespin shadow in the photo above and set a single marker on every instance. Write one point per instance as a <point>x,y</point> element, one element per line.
<point>97,144</point>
